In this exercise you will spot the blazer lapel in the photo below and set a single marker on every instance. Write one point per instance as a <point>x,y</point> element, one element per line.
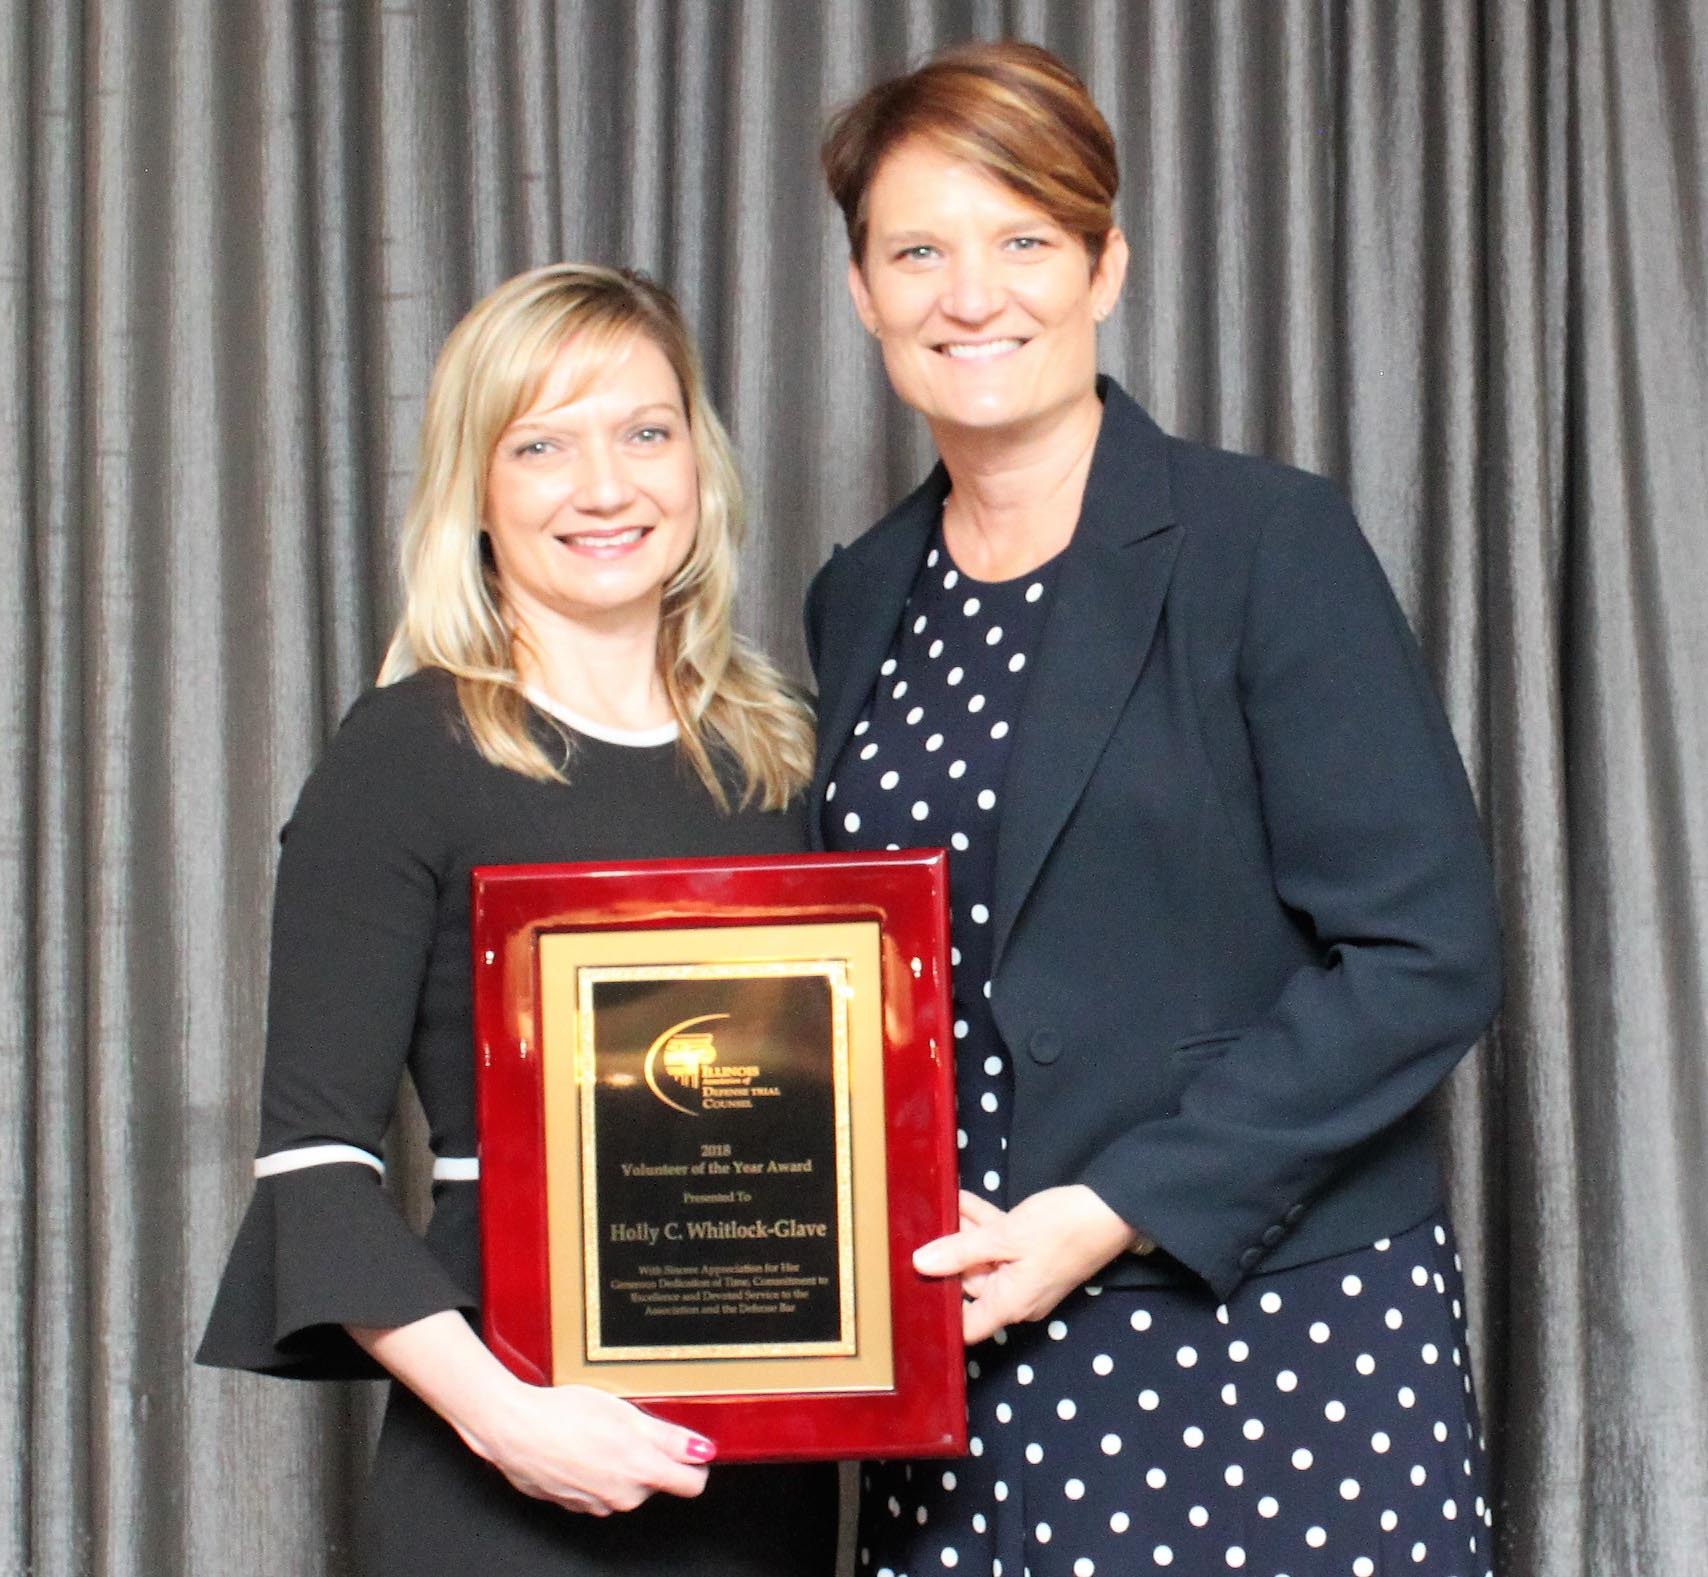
<point>1108,599</point>
<point>878,573</point>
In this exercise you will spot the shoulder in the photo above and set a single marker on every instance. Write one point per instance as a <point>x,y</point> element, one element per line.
<point>392,757</point>
<point>900,532</point>
<point>1250,522</point>
<point>1241,517</point>
<point>1275,573</point>
<point>1231,503</point>
<point>421,709</point>
<point>1222,483</point>
<point>1200,484</point>
<point>877,565</point>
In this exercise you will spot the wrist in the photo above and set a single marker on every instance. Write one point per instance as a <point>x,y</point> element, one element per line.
<point>1115,1235</point>
<point>441,1359</point>
<point>489,1411</point>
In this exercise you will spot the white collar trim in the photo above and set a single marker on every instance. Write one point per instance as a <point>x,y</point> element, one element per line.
<point>664,734</point>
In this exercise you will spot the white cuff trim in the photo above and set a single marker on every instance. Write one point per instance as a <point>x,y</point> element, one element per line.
<point>456,1169</point>
<point>315,1155</point>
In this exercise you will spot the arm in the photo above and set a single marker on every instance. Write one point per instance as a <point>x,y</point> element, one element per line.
<point>325,1270</point>
<point>579,1447</point>
<point>1375,847</point>
<point>354,911</point>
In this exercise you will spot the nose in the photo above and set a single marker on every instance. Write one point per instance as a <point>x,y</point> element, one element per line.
<point>972,291</point>
<point>602,485</point>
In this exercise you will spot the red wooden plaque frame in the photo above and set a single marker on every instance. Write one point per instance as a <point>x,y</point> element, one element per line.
<point>906,893</point>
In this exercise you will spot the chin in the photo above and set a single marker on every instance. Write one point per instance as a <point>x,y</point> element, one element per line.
<point>984,415</point>
<point>993,406</point>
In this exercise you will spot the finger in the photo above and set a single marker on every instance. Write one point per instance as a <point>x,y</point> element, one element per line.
<point>579,1503</point>
<point>676,1478</point>
<point>665,1457</point>
<point>677,1443</point>
<point>960,1251</point>
<point>978,1211</point>
<point>587,1504</point>
<point>974,1283</point>
<point>981,1318</point>
<point>674,1464</point>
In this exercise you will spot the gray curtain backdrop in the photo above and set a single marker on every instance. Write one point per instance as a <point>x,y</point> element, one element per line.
<point>1454,254</point>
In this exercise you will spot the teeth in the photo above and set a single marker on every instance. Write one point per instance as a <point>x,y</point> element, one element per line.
<point>982,352</point>
<point>607,539</point>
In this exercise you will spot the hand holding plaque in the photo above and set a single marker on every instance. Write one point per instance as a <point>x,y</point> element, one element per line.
<point>716,1115</point>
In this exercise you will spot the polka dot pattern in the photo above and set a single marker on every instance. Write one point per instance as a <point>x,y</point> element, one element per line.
<point>924,768</point>
<point>1321,1421</point>
<point>1218,1463</point>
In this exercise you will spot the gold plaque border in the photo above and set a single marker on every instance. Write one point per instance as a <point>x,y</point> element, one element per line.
<point>721,952</point>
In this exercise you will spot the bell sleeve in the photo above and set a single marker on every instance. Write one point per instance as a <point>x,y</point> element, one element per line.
<point>355,912</point>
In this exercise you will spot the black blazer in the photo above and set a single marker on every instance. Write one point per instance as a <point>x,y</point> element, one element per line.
<point>1244,921</point>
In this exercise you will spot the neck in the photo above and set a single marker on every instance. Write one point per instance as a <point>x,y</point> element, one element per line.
<point>1015,497</point>
<point>606,673</point>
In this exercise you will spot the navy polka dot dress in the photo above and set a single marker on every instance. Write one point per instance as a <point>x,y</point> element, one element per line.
<point>1321,1421</point>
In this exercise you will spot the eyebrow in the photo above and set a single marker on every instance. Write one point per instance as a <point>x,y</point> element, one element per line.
<point>1028,225</point>
<point>535,423</point>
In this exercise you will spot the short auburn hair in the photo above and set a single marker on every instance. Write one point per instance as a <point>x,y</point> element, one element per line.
<point>1012,109</point>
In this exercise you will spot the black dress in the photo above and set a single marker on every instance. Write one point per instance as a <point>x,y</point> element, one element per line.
<point>1320,1422</point>
<point>370,973</point>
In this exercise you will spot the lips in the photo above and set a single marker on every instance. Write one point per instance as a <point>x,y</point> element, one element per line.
<point>980,350</point>
<point>612,540</point>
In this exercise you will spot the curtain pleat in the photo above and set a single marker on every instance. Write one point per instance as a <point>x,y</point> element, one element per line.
<point>1454,255</point>
<point>50,688</point>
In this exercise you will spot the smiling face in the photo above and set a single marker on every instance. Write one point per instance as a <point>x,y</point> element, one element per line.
<point>592,493</point>
<point>985,308</point>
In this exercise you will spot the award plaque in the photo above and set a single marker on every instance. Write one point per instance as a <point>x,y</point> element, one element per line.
<point>716,1115</point>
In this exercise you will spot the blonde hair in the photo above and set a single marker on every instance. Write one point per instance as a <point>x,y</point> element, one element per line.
<point>1014,110</point>
<point>727,699</point>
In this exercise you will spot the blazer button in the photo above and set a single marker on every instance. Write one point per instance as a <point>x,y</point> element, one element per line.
<point>1272,1236</point>
<point>1249,1258</point>
<point>1045,1045</point>
<point>1293,1215</point>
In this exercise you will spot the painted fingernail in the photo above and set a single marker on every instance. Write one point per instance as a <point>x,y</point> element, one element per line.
<point>700,1449</point>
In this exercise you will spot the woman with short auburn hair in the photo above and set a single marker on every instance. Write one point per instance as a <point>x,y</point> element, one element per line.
<point>563,684</point>
<point>1221,911</point>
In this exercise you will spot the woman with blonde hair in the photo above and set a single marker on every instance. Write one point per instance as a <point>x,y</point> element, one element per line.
<point>563,684</point>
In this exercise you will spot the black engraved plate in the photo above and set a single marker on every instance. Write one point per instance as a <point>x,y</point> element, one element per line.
<point>716,1178</point>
